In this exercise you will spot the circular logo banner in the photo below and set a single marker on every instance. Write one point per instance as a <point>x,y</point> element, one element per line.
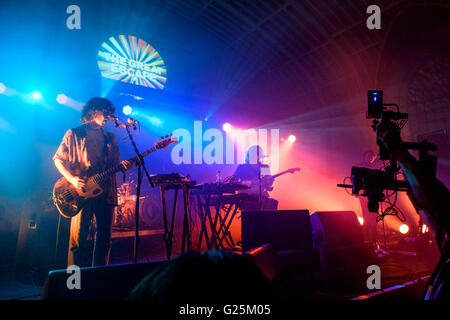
<point>132,60</point>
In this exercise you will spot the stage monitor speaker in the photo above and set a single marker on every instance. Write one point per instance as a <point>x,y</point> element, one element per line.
<point>266,259</point>
<point>334,229</point>
<point>344,255</point>
<point>97,283</point>
<point>283,229</point>
<point>43,238</point>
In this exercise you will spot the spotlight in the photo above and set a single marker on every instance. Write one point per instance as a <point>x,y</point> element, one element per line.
<point>226,127</point>
<point>2,88</point>
<point>424,228</point>
<point>361,220</point>
<point>127,110</point>
<point>61,98</point>
<point>36,95</point>
<point>154,121</point>
<point>292,138</point>
<point>403,229</point>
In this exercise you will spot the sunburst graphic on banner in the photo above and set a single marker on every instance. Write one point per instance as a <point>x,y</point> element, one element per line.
<point>132,60</point>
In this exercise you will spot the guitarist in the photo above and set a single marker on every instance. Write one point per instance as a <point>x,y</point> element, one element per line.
<point>86,150</point>
<point>248,174</point>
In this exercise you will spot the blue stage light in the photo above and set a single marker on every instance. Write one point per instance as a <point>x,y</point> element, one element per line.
<point>61,98</point>
<point>36,95</point>
<point>127,110</point>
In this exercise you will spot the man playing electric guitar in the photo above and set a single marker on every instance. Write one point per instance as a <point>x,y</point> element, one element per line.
<point>250,173</point>
<point>86,150</point>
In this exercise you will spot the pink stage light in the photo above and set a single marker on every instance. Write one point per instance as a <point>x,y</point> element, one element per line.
<point>361,220</point>
<point>403,229</point>
<point>227,127</point>
<point>292,138</point>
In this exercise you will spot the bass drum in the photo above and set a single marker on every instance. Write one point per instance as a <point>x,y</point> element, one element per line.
<point>150,216</point>
<point>151,213</point>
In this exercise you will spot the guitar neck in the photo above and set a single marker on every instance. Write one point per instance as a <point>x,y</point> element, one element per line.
<point>280,174</point>
<point>141,155</point>
<point>102,176</point>
<point>286,171</point>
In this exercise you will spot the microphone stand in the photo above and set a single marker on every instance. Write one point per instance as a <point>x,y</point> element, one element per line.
<point>141,166</point>
<point>259,180</point>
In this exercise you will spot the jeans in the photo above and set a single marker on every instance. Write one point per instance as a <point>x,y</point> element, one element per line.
<point>80,244</point>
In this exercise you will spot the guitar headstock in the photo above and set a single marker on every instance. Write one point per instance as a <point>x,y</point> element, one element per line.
<point>166,141</point>
<point>292,170</point>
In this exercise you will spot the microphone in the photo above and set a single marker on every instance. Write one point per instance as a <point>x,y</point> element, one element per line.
<point>131,120</point>
<point>113,118</point>
<point>121,125</point>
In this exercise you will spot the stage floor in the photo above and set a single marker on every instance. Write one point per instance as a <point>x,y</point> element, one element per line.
<point>396,269</point>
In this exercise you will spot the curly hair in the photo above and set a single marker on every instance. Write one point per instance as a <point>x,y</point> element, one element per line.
<point>96,104</point>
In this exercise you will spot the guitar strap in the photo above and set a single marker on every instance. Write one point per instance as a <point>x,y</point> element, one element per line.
<point>107,149</point>
<point>105,144</point>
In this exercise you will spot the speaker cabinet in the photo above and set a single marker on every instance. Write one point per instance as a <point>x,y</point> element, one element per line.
<point>284,229</point>
<point>97,283</point>
<point>43,239</point>
<point>339,238</point>
<point>266,259</point>
<point>334,229</point>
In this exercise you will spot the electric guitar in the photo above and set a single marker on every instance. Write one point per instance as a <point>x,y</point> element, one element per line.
<point>69,200</point>
<point>292,170</point>
<point>266,182</point>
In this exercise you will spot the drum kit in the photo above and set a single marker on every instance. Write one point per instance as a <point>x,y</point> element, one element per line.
<point>150,209</point>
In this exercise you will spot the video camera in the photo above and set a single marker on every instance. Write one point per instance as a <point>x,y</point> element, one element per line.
<point>377,110</point>
<point>374,183</point>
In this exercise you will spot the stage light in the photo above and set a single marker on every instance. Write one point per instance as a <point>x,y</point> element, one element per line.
<point>424,228</point>
<point>226,127</point>
<point>61,98</point>
<point>36,95</point>
<point>127,110</point>
<point>292,138</point>
<point>361,220</point>
<point>2,88</point>
<point>403,229</point>
<point>154,121</point>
